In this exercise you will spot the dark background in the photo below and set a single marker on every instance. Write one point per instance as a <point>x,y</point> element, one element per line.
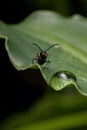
<point>13,11</point>
<point>16,94</point>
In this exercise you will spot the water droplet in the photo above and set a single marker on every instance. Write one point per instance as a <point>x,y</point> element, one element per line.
<point>66,75</point>
<point>62,79</point>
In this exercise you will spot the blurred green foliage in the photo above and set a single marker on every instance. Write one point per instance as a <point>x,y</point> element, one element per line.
<point>65,7</point>
<point>66,110</point>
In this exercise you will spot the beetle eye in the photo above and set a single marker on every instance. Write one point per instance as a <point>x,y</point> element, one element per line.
<point>46,55</point>
<point>38,54</point>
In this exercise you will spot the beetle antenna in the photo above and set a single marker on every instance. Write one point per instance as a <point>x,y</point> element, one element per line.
<point>50,47</point>
<point>37,46</point>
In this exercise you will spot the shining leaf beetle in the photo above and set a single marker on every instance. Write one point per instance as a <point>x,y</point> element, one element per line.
<point>41,57</point>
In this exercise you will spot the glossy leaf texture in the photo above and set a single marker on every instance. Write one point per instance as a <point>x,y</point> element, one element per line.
<point>46,28</point>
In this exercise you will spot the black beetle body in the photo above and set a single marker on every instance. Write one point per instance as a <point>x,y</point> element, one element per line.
<point>41,57</point>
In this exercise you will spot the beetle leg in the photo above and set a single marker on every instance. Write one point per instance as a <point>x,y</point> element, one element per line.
<point>47,64</point>
<point>34,59</point>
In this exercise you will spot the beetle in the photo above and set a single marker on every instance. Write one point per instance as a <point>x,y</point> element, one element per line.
<point>41,57</point>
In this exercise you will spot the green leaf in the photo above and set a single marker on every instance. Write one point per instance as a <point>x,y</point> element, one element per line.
<point>46,28</point>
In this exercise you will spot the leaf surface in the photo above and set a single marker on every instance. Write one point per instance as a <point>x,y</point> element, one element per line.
<point>46,28</point>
